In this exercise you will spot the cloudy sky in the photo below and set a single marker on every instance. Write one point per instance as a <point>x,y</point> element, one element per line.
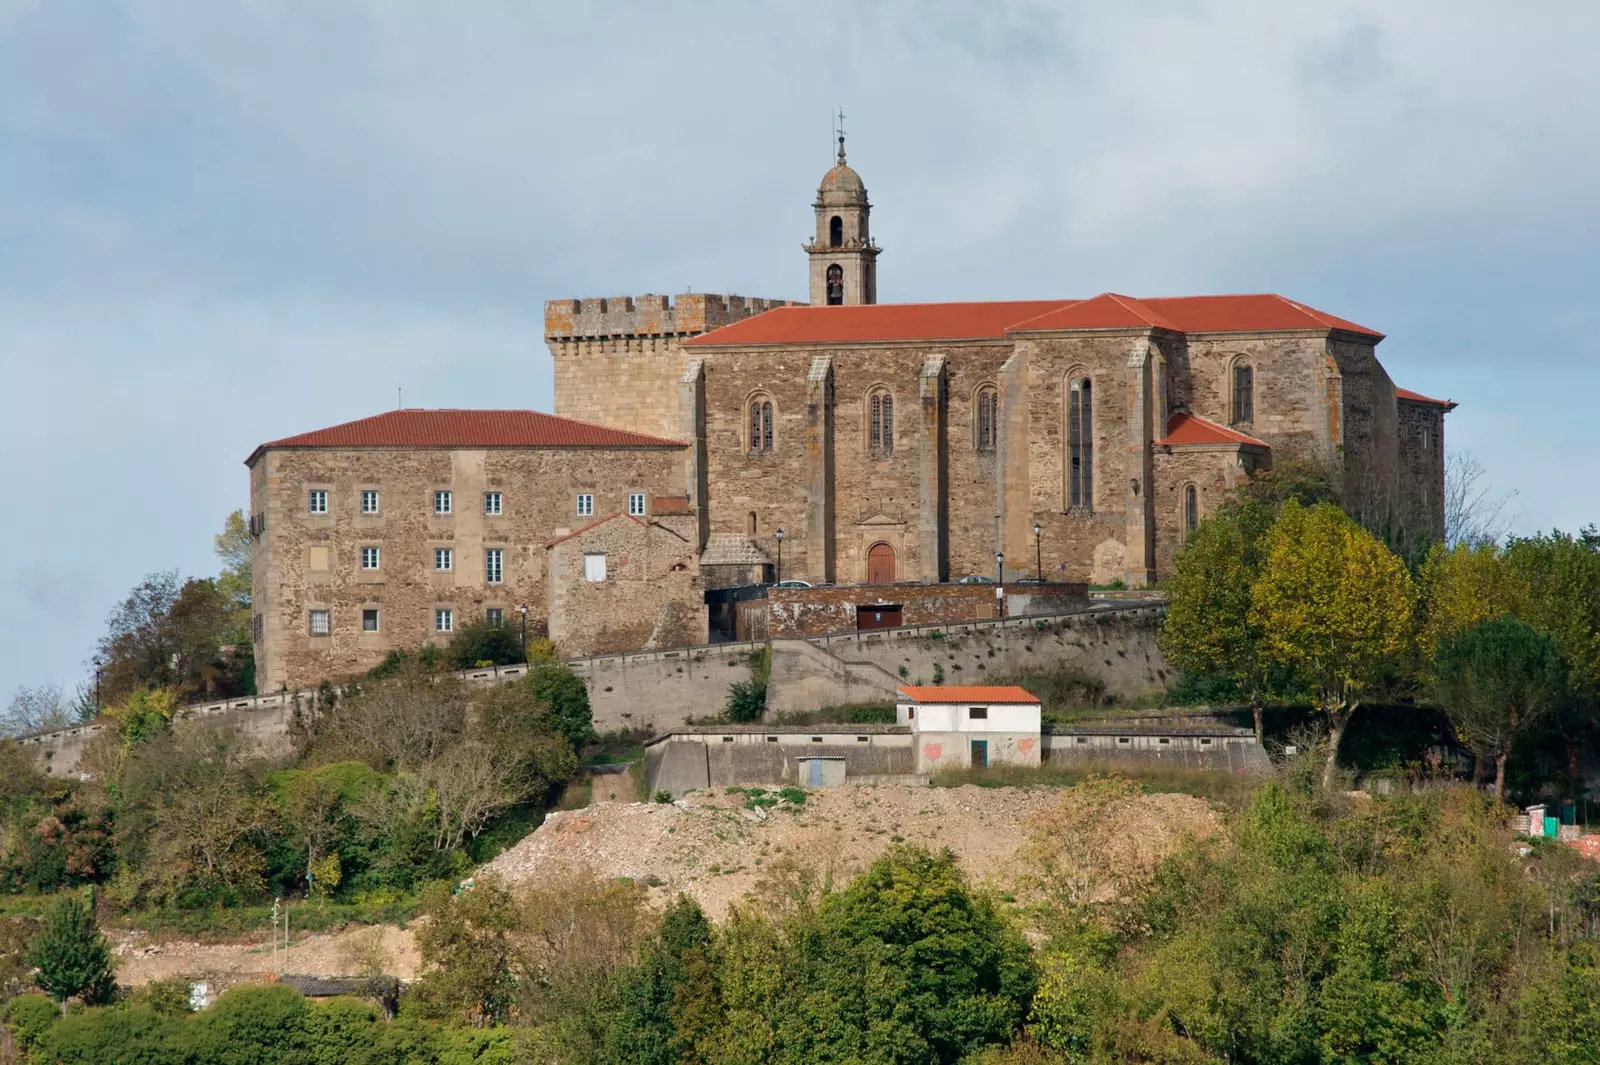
<point>222,223</point>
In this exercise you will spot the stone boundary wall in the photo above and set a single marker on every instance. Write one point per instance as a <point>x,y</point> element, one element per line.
<point>657,691</point>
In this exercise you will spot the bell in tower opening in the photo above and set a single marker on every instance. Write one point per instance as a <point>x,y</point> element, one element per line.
<point>844,259</point>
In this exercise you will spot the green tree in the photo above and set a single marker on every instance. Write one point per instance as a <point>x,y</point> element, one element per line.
<point>1208,628</point>
<point>251,1025</point>
<point>1335,606</point>
<point>565,693</point>
<point>474,963</point>
<point>340,1030</point>
<point>70,953</point>
<point>235,548</point>
<point>483,641</point>
<point>655,998</point>
<point>108,1036</point>
<point>1496,680</point>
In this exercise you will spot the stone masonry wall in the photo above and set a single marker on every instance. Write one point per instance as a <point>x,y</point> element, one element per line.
<point>1421,448</point>
<point>307,561</point>
<point>797,612</point>
<point>652,595</point>
<point>617,360</point>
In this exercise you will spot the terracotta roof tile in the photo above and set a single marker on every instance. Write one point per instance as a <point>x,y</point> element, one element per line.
<point>967,693</point>
<point>1265,313</point>
<point>413,428</point>
<point>595,524</point>
<point>1418,397</point>
<point>879,322</point>
<point>1193,429</point>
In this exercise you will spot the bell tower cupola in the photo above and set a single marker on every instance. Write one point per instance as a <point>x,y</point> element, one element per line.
<point>844,260</point>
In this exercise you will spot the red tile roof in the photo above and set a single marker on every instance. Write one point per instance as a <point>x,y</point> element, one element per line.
<point>413,428</point>
<point>1265,313</point>
<point>1418,397</point>
<point>968,693</point>
<point>1193,429</point>
<point>880,321</point>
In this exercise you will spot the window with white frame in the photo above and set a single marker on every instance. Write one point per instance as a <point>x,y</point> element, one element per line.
<point>318,501</point>
<point>585,505</point>
<point>369,558</point>
<point>441,502</point>
<point>369,619</point>
<point>494,564</point>
<point>369,501</point>
<point>444,558</point>
<point>491,503</point>
<point>636,504</point>
<point>495,616</point>
<point>321,622</point>
<point>594,567</point>
<point>444,620</point>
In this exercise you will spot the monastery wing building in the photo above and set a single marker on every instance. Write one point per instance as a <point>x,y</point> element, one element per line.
<point>889,443</point>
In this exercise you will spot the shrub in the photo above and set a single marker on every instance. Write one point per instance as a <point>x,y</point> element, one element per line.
<point>747,701</point>
<point>252,1025</point>
<point>31,1016</point>
<point>109,1036</point>
<point>483,642</point>
<point>568,698</point>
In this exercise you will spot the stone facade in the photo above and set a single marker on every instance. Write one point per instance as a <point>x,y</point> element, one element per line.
<point>305,562</point>
<point>797,612</point>
<point>626,584</point>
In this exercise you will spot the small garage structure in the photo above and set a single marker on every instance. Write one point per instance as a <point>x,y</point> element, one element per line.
<point>956,726</point>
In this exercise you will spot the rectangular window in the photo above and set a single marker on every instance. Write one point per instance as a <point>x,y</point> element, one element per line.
<point>257,627</point>
<point>441,502</point>
<point>495,616</point>
<point>585,505</point>
<point>636,504</point>
<point>444,558</point>
<point>369,619</point>
<point>369,501</point>
<point>494,564</point>
<point>319,501</point>
<point>491,502</point>
<point>369,558</point>
<point>321,623</point>
<point>444,620</point>
<point>978,713</point>
<point>594,567</point>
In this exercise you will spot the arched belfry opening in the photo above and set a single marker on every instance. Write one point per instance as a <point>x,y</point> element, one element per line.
<point>844,260</point>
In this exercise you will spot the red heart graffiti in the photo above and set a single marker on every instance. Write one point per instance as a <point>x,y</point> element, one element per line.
<point>932,751</point>
<point>1025,746</point>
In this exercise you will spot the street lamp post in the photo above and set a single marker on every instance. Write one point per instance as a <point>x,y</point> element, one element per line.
<point>524,611</point>
<point>96,661</point>
<point>1000,567</point>
<point>779,534</point>
<point>1038,555</point>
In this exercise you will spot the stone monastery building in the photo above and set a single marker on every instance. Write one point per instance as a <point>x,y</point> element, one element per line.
<point>888,442</point>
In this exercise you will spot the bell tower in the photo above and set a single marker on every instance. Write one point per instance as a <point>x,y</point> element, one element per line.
<point>844,260</point>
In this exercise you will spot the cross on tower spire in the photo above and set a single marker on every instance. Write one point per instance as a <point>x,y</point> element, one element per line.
<point>839,129</point>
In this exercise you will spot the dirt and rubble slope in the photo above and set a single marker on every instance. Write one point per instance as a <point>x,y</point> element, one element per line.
<point>718,846</point>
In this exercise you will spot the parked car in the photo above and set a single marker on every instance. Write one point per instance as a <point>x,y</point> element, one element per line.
<point>975,579</point>
<point>792,584</point>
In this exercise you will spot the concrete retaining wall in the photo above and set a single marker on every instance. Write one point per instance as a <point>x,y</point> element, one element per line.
<point>700,758</point>
<point>656,691</point>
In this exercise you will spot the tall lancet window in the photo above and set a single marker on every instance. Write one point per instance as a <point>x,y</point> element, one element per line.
<point>880,422</point>
<point>835,285</point>
<point>836,232</point>
<point>988,419</point>
<point>1080,445</point>
<point>1191,509</point>
<point>1244,393</point>
<point>760,424</point>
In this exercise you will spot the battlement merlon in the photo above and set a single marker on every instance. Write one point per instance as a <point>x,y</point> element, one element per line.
<point>686,315</point>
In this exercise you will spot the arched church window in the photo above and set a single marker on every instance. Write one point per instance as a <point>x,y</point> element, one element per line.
<point>880,422</point>
<point>988,418</point>
<point>1191,509</point>
<point>835,285</point>
<point>1080,444</point>
<point>835,232</point>
<point>1244,393</point>
<point>760,424</point>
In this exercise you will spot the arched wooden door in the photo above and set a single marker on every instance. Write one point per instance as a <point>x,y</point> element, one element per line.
<point>880,564</point>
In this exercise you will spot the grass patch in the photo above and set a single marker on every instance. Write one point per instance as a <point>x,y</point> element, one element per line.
<point>222,924</point>
<point>860,714</point>
<point>1212,784</point>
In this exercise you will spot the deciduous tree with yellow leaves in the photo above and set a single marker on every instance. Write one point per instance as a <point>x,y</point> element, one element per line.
<point>1336,609</point>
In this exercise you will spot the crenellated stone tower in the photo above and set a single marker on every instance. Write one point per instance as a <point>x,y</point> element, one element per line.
<point>618,360</point>
<point>844,260</point>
